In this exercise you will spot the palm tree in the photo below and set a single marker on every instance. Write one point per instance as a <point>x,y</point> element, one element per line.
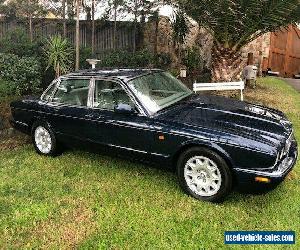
<point>235,23</point>
<point>59,54</point>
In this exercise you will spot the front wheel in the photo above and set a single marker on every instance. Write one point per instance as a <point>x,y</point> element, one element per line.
<point>44,139</point>
<point>204,175</point>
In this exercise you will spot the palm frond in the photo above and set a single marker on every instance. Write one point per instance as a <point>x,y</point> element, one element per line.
<point>236,22</point>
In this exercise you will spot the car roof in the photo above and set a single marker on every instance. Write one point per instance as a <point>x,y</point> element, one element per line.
<point>120,73</point>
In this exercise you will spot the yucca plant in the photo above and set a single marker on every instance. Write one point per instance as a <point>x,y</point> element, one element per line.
<point>235,23</point>
<point>59,54</point>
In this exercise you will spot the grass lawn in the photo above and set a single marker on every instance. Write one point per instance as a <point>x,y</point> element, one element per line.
<point>87,200</point>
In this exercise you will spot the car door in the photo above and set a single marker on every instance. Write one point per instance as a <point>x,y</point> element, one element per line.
<point>129,133</point>
<point>68,109</point>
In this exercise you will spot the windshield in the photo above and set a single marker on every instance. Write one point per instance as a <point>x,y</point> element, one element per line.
<point>158,90</point>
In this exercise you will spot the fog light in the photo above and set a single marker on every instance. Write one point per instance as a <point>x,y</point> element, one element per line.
<point>262,179</point>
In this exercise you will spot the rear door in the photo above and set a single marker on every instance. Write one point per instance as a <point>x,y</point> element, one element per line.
<point>68,109</point>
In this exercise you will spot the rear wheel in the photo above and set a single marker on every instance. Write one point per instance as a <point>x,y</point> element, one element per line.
<point>204,175</point>
<point>44,139</point>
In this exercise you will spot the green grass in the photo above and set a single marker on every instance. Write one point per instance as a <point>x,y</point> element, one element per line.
<point>87,200</point>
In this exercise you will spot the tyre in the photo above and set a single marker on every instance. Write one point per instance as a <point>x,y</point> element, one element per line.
<point>203,174</point>
<point>44,140</point>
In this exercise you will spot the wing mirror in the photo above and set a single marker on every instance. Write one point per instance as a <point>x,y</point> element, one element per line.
<point>122,108</point>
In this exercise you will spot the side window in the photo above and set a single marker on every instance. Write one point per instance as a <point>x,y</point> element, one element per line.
<point>108,94</point>
<point>73,92</point>
<point>48,94</point>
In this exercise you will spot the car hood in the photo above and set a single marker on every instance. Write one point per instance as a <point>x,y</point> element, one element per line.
<point>250,121</point>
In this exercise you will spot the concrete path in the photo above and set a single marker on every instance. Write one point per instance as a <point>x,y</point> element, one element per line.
<point>293,82</point>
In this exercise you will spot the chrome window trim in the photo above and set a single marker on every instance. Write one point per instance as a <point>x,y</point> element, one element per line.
<point>58,82</point>
<point>124,87</point>
<point>54,82</point>
<point>142,111</point>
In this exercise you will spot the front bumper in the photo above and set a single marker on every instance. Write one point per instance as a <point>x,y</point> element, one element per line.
<point>275,175</point>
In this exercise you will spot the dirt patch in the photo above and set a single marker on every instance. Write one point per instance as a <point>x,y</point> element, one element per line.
<point>67,232</point>
<point>14,141</point>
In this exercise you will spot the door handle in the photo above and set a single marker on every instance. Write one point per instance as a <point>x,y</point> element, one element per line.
<point>93,116</point>
<point>89,116</point>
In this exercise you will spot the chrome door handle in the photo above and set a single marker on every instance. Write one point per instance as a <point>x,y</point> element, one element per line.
<point>89,116</point>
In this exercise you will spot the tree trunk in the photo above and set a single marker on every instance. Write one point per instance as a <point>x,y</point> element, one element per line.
<point>115,25</point>
<point>30,29</point>
<point>134,33</point>
<point>64,18</point>
<point>77,35</point>
<point>156,34</point>
<point>93,27</point>
<point>227,64</point>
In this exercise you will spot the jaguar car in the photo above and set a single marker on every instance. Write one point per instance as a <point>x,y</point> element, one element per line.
<point>212,143</point>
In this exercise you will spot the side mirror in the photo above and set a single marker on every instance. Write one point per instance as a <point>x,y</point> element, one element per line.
<point>122,108</point>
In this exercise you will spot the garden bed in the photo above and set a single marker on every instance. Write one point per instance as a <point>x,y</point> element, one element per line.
<point>9,138</point>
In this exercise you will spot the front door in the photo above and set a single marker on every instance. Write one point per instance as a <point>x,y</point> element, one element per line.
<point>126,133</point>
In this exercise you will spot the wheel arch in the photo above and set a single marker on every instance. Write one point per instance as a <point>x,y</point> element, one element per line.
<point>211,146</point>
<point>36,119</point>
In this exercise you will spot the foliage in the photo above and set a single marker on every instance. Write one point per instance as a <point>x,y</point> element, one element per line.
<point>85,53</point>
<point>192,59</point>
<point>27,8</point>
<point>22,74</point>
<point>17,42</point>
<point>123,58</point>
<point>236,23</point>
<point>140,8</point>
<point>180,27</point>
<point>163,60</point>
<point>7,10</point>
<point>6,88</point>
<point>59,54</point>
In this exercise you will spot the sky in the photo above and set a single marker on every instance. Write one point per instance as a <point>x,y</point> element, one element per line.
<point>166,11</point>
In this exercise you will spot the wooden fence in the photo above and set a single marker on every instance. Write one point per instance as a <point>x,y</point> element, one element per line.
<point>104,32</point>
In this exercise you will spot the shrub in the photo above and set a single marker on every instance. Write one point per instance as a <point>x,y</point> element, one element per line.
<point>85,53</point>
<point>23,74</point>
<point>17,42</point>
<point>163,60</point>
<point>123,58</point>
<point>59,54</point>
<point>192,59</point>
<point>5,88</point>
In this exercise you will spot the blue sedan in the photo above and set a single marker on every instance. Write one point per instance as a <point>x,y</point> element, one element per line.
<point>213,143</point>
